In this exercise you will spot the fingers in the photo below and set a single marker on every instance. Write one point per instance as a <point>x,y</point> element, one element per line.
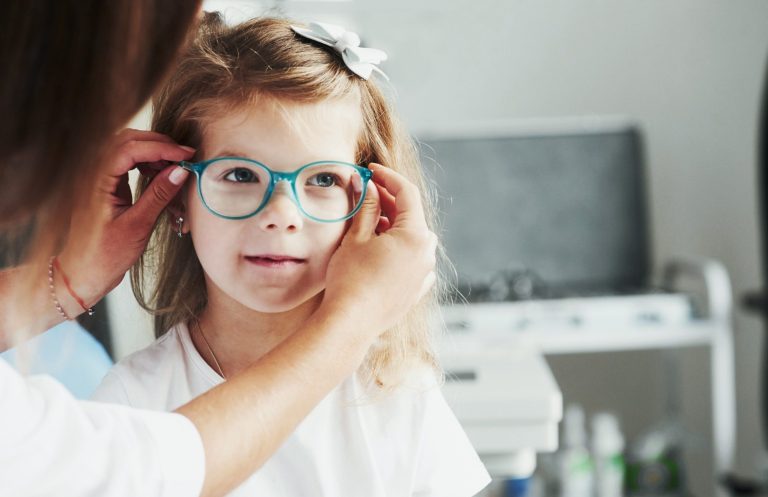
<point>388,207</point>
<point>129,134</point>
<point>408,211</point>
<point>400,203</point>
<point>367,218</point>
<point>133,146</point>
<point>150,169</point>
<point>132,152</point>
<point>430,261</point>
<point>383,225</point>
<point>431,247</point>
<point>156,197</point>
<point>427,285</point>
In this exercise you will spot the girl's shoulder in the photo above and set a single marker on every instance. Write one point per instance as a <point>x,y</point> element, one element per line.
<point>155,355</point>
<point>134,378</point>
<point>409,395</point>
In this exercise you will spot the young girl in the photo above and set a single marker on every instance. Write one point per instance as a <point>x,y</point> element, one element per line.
<point>285,123</point>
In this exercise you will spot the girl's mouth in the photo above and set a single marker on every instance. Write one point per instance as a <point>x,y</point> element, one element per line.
<point>274,261</point>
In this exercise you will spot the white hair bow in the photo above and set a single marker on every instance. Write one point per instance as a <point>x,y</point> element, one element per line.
<point>360,60</point>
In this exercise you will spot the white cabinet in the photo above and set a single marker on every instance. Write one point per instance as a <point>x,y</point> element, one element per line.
<point>502,382</point>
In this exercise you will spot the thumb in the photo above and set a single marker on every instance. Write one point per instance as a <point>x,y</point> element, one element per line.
<point>367,218</point>
<point>164,186</point>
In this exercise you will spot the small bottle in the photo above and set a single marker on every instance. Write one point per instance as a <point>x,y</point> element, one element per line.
<point>655,462</point>
<point>513,471</point>
<point>608,455</point>
<point>575,463</point>
<point>520,474</point>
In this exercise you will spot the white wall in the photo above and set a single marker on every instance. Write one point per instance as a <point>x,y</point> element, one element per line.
<point>689,71</point>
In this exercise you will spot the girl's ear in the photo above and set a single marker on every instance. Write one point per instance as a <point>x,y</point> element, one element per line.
<point>176,209</point>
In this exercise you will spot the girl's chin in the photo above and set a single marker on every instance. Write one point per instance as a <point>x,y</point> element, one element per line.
<point>276,305</point>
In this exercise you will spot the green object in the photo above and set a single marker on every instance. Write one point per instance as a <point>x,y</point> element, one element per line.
<point>238,188</point>
<point>660,476</point>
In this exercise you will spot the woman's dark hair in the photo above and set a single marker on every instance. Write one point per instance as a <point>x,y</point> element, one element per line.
<point>72,72</point>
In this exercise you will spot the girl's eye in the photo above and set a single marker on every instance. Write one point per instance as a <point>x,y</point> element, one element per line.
<point>324,180</point>
<point>241,175</point>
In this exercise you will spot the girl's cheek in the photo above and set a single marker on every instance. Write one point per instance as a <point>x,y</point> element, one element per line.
<point>340,236</point>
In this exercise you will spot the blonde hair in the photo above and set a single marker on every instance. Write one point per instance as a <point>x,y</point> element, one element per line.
<point>226,67</point>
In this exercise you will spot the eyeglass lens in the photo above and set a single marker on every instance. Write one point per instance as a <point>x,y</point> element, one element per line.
<point>235,188</point>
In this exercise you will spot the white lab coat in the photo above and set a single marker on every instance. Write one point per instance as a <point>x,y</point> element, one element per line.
<point>52,444</point>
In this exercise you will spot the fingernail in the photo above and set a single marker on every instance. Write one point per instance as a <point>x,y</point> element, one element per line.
<point>188,149</point>
<point>178,175</point>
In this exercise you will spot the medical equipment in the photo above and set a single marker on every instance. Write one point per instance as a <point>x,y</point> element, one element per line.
<point>508,400</point>
<point>557,206</point>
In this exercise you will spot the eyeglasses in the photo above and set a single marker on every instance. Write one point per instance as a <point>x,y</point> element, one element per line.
<point>238,188</point>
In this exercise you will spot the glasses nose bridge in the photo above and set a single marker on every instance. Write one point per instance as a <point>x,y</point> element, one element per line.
<point>288,179</point>
<point>282,176</point>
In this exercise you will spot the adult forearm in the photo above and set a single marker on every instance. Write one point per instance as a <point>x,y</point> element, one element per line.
<point>26,305</point>
<point>243,421</point>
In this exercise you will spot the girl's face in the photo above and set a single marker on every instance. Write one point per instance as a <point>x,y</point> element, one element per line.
<point>276,260</point>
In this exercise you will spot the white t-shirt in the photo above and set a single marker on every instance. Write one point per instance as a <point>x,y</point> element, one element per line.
<point>53,444</point>
<point>407,443</point>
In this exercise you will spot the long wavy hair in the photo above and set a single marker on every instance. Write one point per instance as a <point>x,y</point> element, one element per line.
<point>231,66</point>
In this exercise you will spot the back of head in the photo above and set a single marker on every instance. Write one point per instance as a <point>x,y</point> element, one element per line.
<point>73,73</point>
<point>226,68</point>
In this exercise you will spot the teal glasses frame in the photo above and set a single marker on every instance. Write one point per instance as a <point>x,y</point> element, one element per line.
<point>198,168</point>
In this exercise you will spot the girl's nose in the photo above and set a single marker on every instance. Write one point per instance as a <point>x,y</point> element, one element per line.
<point>280,213</point>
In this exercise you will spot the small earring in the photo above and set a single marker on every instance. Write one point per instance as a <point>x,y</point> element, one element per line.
<point>180,223</point>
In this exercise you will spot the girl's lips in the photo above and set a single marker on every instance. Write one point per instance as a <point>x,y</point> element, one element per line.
<point>274,261</point>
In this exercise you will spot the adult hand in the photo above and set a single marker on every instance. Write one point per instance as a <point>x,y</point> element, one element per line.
<point>385,264</point>
<point>109,232</point>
